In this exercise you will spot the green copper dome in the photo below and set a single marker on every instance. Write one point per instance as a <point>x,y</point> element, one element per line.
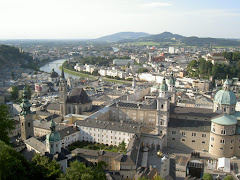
<point>25,105</point>
<point>54,136</point>
<point>225,97</point>
<point>164,86</point>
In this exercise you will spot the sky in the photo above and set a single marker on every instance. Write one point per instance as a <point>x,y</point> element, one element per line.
<point>86,19</point>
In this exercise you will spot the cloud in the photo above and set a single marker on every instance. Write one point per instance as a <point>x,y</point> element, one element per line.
<point>156,4</point>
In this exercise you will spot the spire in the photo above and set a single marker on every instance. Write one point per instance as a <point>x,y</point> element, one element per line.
<point>62,74</point>
<point>53,125</point>
<point>172,79</point>
<point>163,86</point>
<point>25,105</point>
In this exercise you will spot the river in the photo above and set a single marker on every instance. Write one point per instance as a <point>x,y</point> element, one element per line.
<point>55,64</point>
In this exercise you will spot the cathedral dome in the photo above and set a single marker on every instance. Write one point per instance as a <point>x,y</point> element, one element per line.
<point>225,97</point>
<point>53,137</point>
<point>53,74</point>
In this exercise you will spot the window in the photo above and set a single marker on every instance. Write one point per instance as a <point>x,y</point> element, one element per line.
<point>221,148</point>
<point>162,106</point>
<point>211,145</point>
<point>222,141</point>
<point>231,147</point>
<point>223,132</point>
<point>232,140</point>
<point>213,129</point>
<point>204,135</point>
<point>203,142</point>
<point>173,132</point>
<point>193,134</point>
<point>183,139</point>
<point>193,141</point>
<point>29,124</point>
<point>212,138</point>
<point>173,139</point>
<point>183,133</point>
<point>224,109</point>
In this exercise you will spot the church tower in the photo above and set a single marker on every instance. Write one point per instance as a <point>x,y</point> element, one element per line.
<point>163,108</point>
<point>26,117</point>
<point>172,89</point>
<point>63,94</point>
<point>53,140</point>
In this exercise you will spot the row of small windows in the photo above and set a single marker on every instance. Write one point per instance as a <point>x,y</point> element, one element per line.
<point>222,147</point>
<point>193,134</point>
<point>222,141</point>
<point>203,142</point>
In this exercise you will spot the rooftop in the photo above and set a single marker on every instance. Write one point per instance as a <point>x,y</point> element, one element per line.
<point>115,126</point>
<point>225,119</point>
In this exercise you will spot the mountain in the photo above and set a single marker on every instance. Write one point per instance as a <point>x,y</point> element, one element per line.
<point>122,35</point>
<point>169,39</point>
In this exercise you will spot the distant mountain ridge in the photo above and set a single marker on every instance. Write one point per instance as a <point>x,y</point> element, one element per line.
<point>122,35</point>
<point>168,39</point>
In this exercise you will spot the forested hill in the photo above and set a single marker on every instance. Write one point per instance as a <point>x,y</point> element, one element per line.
<point>11,57</point>
<point>167,39</point>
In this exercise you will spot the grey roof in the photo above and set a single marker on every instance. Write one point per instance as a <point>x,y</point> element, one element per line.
<point>95,153</point>
<point>192,125</point>
<point>67,131</point>
<point>53,106</point>
<point>151,105</point>
<point>187,111</point>
<point>79,96</point>
<point>116,126</point>
<point>36,144</point>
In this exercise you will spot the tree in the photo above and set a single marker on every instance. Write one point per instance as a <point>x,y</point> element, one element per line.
<point>207,176</point>
<point>6,123</point>
<point>122,146</point>
<point>158,178</point>
<point>228,177</point>
<point>12,164</point>
<point>14,93</point>
<point>78,171</point>
<point>142,178</point>
<point>49,168</point>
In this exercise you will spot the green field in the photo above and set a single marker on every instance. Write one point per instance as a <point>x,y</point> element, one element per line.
<point>94,77</point>
<point>150,43</point>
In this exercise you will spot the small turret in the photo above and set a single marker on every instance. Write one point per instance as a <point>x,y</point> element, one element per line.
<point>163,89</point>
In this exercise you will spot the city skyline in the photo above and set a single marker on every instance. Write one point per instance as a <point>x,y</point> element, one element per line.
<point>93,19</point>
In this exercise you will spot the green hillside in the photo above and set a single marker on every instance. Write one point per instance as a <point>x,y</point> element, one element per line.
<point>11,57</point>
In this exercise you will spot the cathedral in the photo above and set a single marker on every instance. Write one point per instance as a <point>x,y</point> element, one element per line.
<point>76,103</point>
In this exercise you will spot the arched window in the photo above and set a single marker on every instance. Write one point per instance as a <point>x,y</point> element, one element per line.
<point>203,142</point>
<point>29,124</point>
<point>74,110</point>
<point>193,141</point>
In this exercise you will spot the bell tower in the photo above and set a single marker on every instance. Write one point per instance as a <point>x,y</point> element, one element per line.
<point>26,117</point>
<point>63,94</point>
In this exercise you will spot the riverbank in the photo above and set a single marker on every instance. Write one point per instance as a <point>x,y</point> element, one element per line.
<point>94,77</point>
